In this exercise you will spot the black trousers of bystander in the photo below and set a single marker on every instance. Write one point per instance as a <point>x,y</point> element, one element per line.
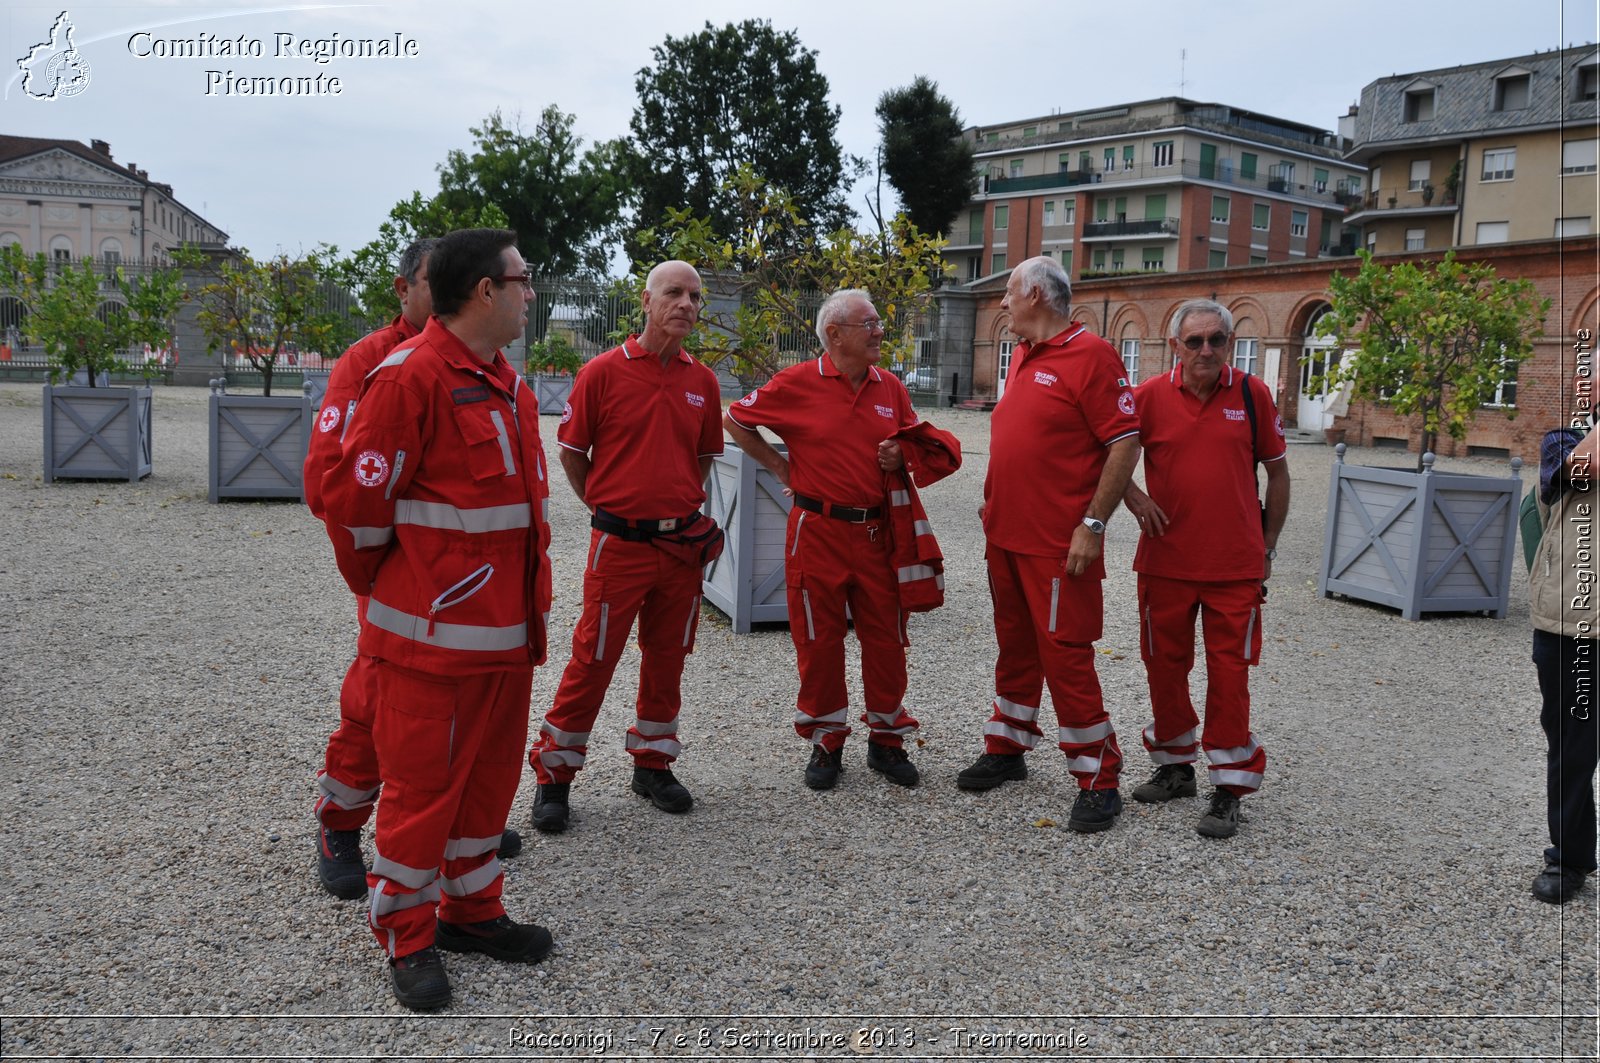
<point>1567,670</point>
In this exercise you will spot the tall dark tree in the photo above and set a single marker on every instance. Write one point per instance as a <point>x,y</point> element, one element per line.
<point>564,203</point>
<point>925,158</point>
<point>743,94</point>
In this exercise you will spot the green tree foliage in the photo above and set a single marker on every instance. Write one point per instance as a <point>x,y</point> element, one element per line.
<point>925,158</point>
<point>267,309</point>
<point>1433,339</point>
<point>90,319</point>
<point>369,272</point>
<point>764,275</point>
<point>741,95</point>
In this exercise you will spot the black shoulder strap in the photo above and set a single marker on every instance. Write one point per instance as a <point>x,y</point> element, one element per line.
<point>1250,415</point>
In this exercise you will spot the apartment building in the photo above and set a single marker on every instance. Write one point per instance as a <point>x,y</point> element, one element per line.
<point>72,201</point>
<point>1482,153</point>
<point>1159,186</point>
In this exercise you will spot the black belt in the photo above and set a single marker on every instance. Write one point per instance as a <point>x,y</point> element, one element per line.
<point>853,514</point>
<point>637,530</point>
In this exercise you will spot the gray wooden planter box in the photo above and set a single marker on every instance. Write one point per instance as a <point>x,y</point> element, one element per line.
<point>746,582</point>
<point>552,390</point>
<point>1425,542</point>
<point>316,385</point>
<point>97,433</point>
<point>258,444</point>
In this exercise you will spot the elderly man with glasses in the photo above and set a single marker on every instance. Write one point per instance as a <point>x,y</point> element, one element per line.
<point>1205,548</point>
<point>836,415</point>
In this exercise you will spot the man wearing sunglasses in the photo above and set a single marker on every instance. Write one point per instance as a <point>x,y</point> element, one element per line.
<point>437,513</point>
<point>1203,552</point>
<point>1064,439</point>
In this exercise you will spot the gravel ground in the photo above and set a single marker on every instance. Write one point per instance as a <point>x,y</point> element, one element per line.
<point>169,670</point>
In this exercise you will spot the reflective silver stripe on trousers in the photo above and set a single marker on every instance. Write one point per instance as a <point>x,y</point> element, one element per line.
<point>1080,735</point>
<point>911,573</point>
<point>799,522</point>
<point>605,621</point>
<point>505,442</point>
<point>452,518</point>
<point>1176,742</point>
<point>383,903</point>
<point>836,716</point>
<point>446,636</point>
<point>922,527</point>
<point>666,746</point>
<point>1161,756</point>
<point>900,498</point>
<point>1055,599</point>
<point>365,538</point>
<point>599,544</point>
<point>1016,710</point>
<point>883,723</point>
<point>345,796</point>
<point>656,728</point>
<point>544,510</point>
<point>1149,632</point>
<point>1235,755</point>
<point>552,758</point>
<point>460,848</point>
<point>1249,633</point>
<point>1025,739</point>
<point>1087,765</point>
<point>412,878</point>
<point>473,881</point>
<point>688,623</point>
<point>1234,777</point>
<point>805,598</point>
<point>565,738</point>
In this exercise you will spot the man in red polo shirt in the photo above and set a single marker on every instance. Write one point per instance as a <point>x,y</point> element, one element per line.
<point>1063,442</point>
<point>637,439</point>
<point>836,415</point>
<point>1202,550</point>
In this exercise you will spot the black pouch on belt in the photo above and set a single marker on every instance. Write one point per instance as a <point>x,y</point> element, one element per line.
<point>697,542</point>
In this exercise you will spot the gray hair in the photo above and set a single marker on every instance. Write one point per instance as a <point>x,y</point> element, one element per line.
<point>411,258</point>
<point>833,306</point>
<point>1200,306</point>
<point>1045,276</point>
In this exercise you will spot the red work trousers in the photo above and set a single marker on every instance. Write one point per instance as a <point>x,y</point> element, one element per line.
<point>348,781</point>
<point>828,565</point>
<point>1045,622</point>
<point>1230,623</point>
<point>623,581</point>
<point>450,755</point>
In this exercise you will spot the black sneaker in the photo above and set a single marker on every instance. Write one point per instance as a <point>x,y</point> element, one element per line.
<point>1170,781</point>
<point>892,763</point>
<point>992,769</point>
<point>824,769</point>
<point>502,938</point>
<point>340,867</point>
<point>550,807</point>
<point>420,981</point>
<point>662,788</point>
<point>510,844</point>
<point>1222,818</point>
<point>1095,810</point>
<point>1557,884</point>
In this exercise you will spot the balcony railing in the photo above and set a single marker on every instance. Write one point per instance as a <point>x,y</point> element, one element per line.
<point>1187,169</point>
<point>1143,227</point>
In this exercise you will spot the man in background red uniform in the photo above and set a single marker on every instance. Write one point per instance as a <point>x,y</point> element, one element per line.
<point>436,510</point>
<point>348,781</point>
<point>836,415</point>
<point>637,439</point>
<point>1203,551</point>
<point>1063,441</point>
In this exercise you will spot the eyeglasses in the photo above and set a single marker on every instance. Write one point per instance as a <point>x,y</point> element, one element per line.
<point>870,326</point>
<point>1216,341</point>
<point>524,279</point>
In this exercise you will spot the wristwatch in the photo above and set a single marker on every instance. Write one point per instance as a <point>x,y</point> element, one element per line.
<point>1096,526</point>
<point>1272,554</point>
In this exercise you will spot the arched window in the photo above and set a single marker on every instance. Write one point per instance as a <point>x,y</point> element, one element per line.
<point>111,251</point>
<point>61,249</point>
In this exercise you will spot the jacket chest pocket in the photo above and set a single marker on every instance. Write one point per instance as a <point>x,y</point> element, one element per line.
<point>488,443</point>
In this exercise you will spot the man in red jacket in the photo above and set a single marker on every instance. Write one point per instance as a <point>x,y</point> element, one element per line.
<point>437,513</point>
<point>836,415</point>
<point>637,439</point>
<point>348,782</point>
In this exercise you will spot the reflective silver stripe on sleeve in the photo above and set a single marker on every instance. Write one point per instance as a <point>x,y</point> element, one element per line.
<point>446,517</point>
<point>505,442</point>
<point>900,498</point>
<point>460,848</point>
<point>1079,735</point>
<point>1233,777</point>
<point>605,621</point>
<point>1025,739</point>
<point>555,758</point>
<point>565,738</point>
<point>366,538</point>
<point>446,636</point>
<point>412,878</point>
<point>1055,600</point>
<point>836,716</point>
<point>912,573</point>
<point>665,746</point>
<point>1236,755</point>
<point>474,881</point>
<point>1016,710</point>
<point>656,728</point>
<point>393,358</point>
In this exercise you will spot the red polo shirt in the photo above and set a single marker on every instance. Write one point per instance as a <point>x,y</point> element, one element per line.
<point>1066,400</point>
<point>832,431</point>
<point>645,429</point>
<point>1198,467</point>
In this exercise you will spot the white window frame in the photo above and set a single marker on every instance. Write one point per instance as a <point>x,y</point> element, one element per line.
<point>1130,360</point>
<point>1002,216</point>
<point>1227,208</point>
<point>1580,226</point>
<point>1161,153</point>
<point>1416,239</point>
<point>1299,222</point>
<point>1253,210</point>
<point>1586,163</point>
<point>1499,402</point>
<point>1420,170</point>
<point>1504,163</point>
<point>1049,212</point>
<point>1246,353</point>
<point>1478,232</point>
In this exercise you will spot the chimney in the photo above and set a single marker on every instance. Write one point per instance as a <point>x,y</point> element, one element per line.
<point>100,147</point>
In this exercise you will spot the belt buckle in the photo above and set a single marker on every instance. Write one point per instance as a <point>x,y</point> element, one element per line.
<point>859,514</point>
<point>670,524</point>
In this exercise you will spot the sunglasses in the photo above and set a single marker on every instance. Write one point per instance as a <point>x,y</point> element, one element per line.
<point>1216,341</point>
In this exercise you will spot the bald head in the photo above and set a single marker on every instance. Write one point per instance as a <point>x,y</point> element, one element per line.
<point>671,303</point>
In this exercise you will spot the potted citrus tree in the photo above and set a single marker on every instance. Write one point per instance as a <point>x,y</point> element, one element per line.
<point>552,363</point>
<point>1434,341</point>
<point>88,320</point>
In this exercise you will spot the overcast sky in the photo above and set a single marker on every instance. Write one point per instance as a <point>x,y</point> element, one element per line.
<point>289,173</point>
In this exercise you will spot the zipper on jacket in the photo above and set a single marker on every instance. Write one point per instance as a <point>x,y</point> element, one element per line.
<point>459,592</point>
<point>399,463</point>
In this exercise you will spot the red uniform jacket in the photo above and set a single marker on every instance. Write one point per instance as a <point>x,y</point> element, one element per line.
<point>931,454</point>
<point>438,510</point>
